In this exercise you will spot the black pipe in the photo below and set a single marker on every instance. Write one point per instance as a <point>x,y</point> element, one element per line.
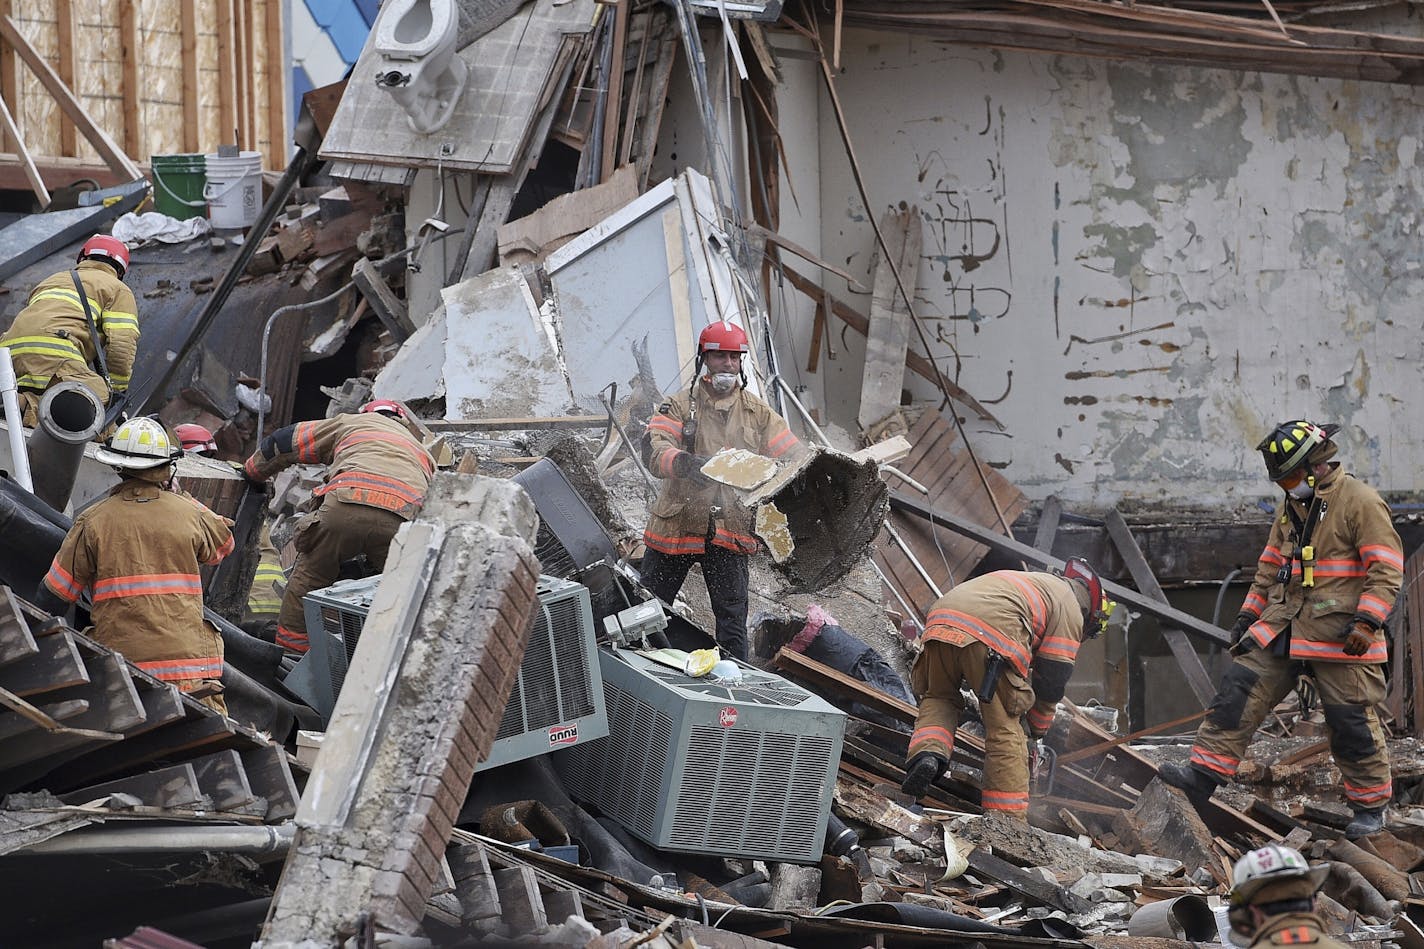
<point>70,415</point>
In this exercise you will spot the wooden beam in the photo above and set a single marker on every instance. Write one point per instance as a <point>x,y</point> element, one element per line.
<point>517,424</point>
<point>9,81</point>
<point>192,132</point>
<point>227,75</point>
<point>613,109</point>
<point>246,101</point>
<point>55,172</point>
<point>103,144</point>
<point>1048,523</point>
<point>64,55</point>
<point>277,135</point>
<point>1030,555</point>
<point>128,88</point>
<point>1187,659</point>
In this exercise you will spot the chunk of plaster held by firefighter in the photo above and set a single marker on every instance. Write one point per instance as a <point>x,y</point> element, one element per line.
<point>771,527</point>
<point>740,468</point>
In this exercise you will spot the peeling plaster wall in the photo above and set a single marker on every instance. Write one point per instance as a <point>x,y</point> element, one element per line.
<point>1139,269</point>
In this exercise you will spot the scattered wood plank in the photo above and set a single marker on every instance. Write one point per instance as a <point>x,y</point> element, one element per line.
<point>1029,885</point>
<point>173,786</point>
<point>389,309</point>
<point>1182,650</point>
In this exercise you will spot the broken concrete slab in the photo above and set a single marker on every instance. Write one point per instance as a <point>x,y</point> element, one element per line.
<point>828,509</point>
<point>1164,822</point>
<point>490,352</point>
<point>424,697</point>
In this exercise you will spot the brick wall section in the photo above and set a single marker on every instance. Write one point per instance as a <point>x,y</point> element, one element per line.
<point>455,678</point>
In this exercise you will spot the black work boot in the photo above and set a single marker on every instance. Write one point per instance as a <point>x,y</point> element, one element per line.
<point>1198,785</point>
<point>921,772</point>
<point>1366,822</point>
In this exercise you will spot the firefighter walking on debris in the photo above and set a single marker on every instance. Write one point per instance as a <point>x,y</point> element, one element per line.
<point>1273,900</point>
<point>1013,637</point>
<point>696,519</point>
<point>376,479</point>
<point>1328,577</point>
<point>138,553</point>
<point>79,325</point>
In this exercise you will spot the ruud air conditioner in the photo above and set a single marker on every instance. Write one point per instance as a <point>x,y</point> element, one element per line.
<point>700,766</point>
<point>557,699</point>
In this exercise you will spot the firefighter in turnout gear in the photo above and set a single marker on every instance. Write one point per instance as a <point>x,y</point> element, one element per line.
<point>1013,637</point>
<point>1273,901</point>
<point>1328,577</point>
<point>137,554</point>
<point>376,479</point>
<point>53,339</point>
<point>695,519</point>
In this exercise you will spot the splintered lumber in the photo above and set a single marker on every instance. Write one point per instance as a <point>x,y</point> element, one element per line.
<point>173,787</point>
<point>1029,885</point>
<point>26,716</point>
<point>1094,751</point>
<point>16,641</point>
<point>56,664</point>
<point>874,809</point>
<point>269,772</point>
<point>421,704</point>
<point>389,308</point>
<point>824,677</point>
<point>888,338</point>
<point>1187,659</point>
<point>518,424</point>
<point>223,780</point>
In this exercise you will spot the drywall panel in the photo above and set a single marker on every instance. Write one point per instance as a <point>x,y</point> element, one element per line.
<point>1137,269</point>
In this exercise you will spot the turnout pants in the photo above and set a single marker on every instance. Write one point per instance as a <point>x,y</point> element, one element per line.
<point>726,575</point>
<point>336,532</point>
<point>1349,692</point>
<point>935,679</point>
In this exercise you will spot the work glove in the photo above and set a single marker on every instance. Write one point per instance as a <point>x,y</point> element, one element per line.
<point>1241,644</point>
<point>1359,637</point>
<point>688,465</point>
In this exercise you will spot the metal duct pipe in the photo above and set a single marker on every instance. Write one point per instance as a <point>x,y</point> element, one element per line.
<point>249,840</point>
<point>14,421</point>
<point>70,416</point>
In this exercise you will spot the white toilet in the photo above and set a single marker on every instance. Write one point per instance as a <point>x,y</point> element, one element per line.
<point>416,64</point>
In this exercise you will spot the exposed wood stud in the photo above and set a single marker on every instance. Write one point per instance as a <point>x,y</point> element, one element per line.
<point>189,26</point>
<point>9,82</point>
<point>129,55</point>
<point>227,75</point>
<point>276,87</point>
<point>64,30</point>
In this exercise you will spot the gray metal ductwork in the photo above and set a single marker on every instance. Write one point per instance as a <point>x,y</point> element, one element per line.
<point>249,840</point>
<point>70,415</point>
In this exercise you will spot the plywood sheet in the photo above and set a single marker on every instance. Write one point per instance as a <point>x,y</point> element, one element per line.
<point>939,461</point>
<point>509,68</point>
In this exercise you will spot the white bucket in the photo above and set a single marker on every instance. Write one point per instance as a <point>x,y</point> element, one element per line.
<point>234,190</point>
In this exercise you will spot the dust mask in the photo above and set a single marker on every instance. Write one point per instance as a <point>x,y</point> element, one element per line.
<point>723,382</point>
<point>1302,491</point>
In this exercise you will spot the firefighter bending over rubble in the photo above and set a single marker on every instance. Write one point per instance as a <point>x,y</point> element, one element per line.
<point>1013,636</point>
<point>63,335</point>
<point>376,478</point>
<point>138,552</point>
<point>1328,577</point>
<point>696,519</point>
<point>1273,901</point>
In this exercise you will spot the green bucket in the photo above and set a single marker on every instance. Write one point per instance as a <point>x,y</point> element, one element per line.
<point>178,182</point>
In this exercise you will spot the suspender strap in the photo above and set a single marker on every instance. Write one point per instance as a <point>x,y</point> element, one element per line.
<point>102,363</point>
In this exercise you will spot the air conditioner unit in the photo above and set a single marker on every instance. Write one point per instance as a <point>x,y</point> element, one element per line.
<point>557,700</point>
<point>697,765</point>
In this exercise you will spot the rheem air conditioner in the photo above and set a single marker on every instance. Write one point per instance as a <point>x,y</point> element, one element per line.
<point>701,766</point>
<point>557,700</point>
